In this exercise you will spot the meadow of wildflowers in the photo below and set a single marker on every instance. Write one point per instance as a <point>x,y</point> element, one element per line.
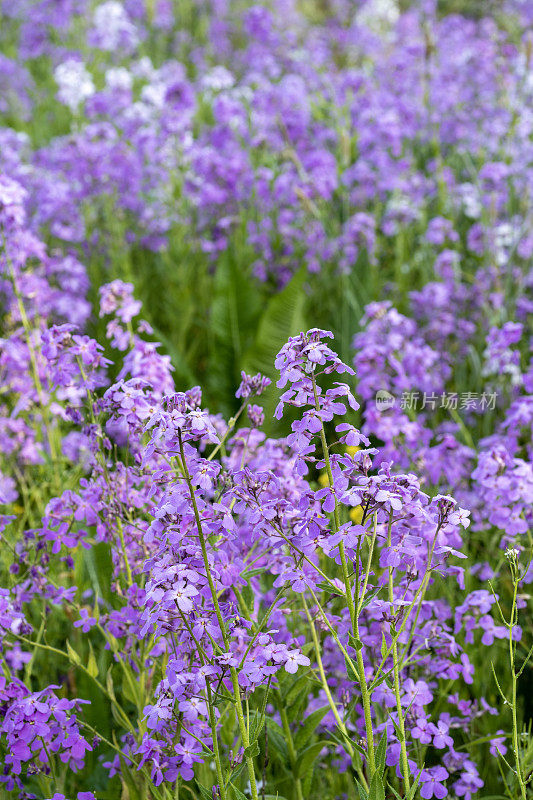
<point>266,399</point>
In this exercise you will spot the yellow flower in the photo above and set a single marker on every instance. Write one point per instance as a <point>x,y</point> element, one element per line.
<point>323,479</point>
<point>356,514</point>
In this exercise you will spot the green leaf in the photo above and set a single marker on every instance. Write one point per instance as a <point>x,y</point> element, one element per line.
<point>206,793</point>
<point>383,677</point>
<point>276,742</point>
<point>352,676</point>
<point>343,740</point>
<point>92,666</point>
<point>397,729</point>
<point>252,750</point>
<point>109,794</point>
<point>129,790</point>
<point>99,565</point>
<point>311,723</point>
<point>357,644</point>
<point>248,597</point>
<point>307,758</point>
<point>257,723</point>
<point>395,793</point>
<point>126,775</point>
<point>330,588</point>
<point>369,597</point>
<point>237,792</point>
<point>376,790</point>
<point>109,683</point>
<point>129,692</point>
<point>294,709</point>
<point>282,317</point>
<point>414,787</point>
<point>363,794</point>
<point>72,654</point>
<point>251,573</point>
<point>381,754</point>
<point>235,308</point>
<point>291,688</point>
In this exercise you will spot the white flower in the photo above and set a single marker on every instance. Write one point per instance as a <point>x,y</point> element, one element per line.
<point>379,14</point>
<point>118,78</point>
<point>143,68</point>
<point>512,553</point>
<point>504,235</point>
<point>113,27</point>
<point>470,200</point>
<point>74,82</point>
<point>217,79</point>
<point>154,94</point>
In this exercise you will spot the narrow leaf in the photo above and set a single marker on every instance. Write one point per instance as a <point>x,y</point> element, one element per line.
<point>308,728</point>
<point>381,754</point>
<point>376,789</point>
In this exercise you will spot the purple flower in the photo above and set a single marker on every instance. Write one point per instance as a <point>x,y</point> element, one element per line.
<point>117,298</point>
<point>441,738</point>
<point>431,781</point>
<point>497,744</point>
<point>422,730</point>
<point>182,595</point>
<point>252,385</point>
<point>294,659</point>
<point>86,621</point>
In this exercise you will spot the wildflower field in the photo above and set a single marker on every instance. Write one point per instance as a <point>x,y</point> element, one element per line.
<point>266,399</point>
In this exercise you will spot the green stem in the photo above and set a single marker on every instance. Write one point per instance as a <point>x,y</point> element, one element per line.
<point>124,551</point>
<point>55,784</point>
<point>216,750</point>
<point>516,746</point>
<point>365,696</point>
<point>155,792</point>
<point>51,434</point>
<point>331,702</point>
<point>218,613</point>
<point>324,681</point>
<point>368,566</point>
<point>396,672</point>
<point>87,672</point>
<point>354,616</point>
<point>231,425</point>
<point>290,747</point>
<point>419,595</point>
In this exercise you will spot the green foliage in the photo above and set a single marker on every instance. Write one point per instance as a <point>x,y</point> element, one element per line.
<point>309,726</point>
<point>284,316</point>
<point>233,322</point>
